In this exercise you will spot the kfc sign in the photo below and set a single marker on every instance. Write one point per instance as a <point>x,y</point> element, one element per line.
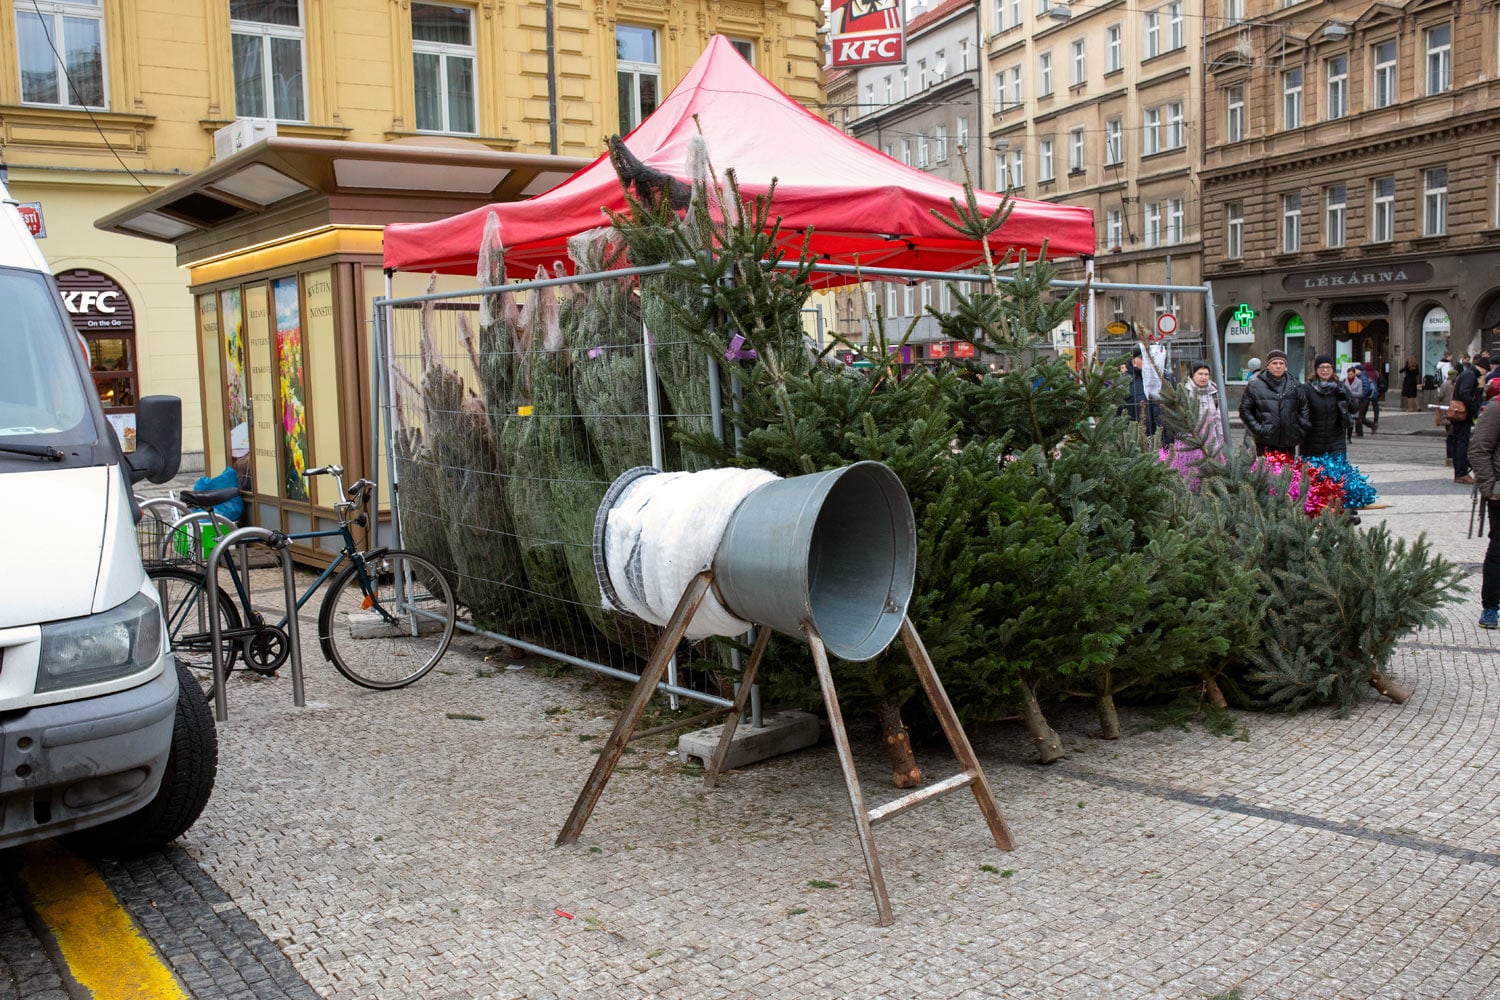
<point>95,302</point>
<point>867,33</point>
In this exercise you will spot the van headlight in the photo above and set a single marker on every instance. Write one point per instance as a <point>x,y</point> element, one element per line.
<point>112,644</point>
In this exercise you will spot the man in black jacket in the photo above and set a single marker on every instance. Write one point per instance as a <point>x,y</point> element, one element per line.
<point>1273,408</point>
<point>1469,390</point>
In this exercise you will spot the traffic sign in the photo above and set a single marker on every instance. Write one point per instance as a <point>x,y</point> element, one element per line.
<point>31,214</point>
<point>1166,324</point>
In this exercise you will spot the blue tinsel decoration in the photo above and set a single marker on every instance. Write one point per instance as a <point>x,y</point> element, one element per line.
<point>1357,489</point>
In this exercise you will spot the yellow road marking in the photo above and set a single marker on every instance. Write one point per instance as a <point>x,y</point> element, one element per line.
<point>104,950</point>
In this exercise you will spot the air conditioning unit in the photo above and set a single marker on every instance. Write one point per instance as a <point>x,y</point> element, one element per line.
<point>239,134</point>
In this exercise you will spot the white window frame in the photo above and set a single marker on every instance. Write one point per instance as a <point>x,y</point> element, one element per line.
<point>1335,215</point>
<point>1002,172</point>
<point>892,301</point>
<point>1382,75</point>
<point>1079,59</point>
<point>940,66</point>
<point>1163,303</point>
<point>905,90</point>
<point>1234,11</point>
<point>1176,134</point>
<point>1017,92</point>
<point>447,52</point>
<point>1176,39</point>
<point>1114,49</point>
<point>1151,224</point>
<point>1291,222</point>
<point>1044,166</point>
<point>55,16</point>
<point>908,300</point>
<point>963,54</point>
<point>1234,114</point>
<point>1075,151</point>
<point>1435,201</point>
<point>1015,13</point>
<point>266,33</point>
<point>1439,44</point>
<point>1175,219</point>
<point>1114,228</point>
<point>940,143</point>
<point>1336,72</point>
<point>1151,34</point>
<point>963,131</point>
<point>1114,147</point>
<point>1291,98</point>
<point>638,71</point>
<point>1151,132</point>
<point>924,152</point>
<point>906,151</point>
<point>1382,210</point>
<point>999,90</point>
<point>1044,75</point>
<point>1018,169</point>
<point>1234,230</point>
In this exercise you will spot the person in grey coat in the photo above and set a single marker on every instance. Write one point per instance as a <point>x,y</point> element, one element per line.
<point>1484,458</point>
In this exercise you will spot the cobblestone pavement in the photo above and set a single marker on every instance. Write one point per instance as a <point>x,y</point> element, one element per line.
<point>400,844</point>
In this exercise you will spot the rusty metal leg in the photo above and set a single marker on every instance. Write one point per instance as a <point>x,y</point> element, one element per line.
<point>851,776</point>
<point>732,721</point>
<point>614,747</point>
<point>957,739</point>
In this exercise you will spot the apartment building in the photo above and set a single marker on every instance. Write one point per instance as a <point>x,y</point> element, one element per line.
<point>105,106</point>
<point>1099,105</point>
<point>1352,179</point>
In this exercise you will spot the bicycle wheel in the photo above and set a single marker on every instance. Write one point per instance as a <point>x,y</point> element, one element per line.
<point>394,634</point>
<point>184,602</point>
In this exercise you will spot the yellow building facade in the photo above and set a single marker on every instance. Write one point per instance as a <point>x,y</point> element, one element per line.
<point>106,102</point>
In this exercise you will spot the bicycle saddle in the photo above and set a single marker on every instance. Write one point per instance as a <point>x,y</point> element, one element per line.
<point>208,499</point>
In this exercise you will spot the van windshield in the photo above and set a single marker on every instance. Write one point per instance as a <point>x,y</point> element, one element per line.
<point>42,397</point>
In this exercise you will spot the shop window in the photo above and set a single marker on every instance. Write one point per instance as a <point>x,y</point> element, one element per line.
<point>266,39</point>
<point>74,28</point>
<point>638,73</point>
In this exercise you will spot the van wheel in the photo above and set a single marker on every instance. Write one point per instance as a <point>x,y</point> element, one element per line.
<point>185,784</point>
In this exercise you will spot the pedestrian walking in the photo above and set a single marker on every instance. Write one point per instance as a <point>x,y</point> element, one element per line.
<point>1440,416</point>
<point>1444,366</point>
<point>1356,390</point>
<point>1467,391</point>
<point>1273,409</point>
<point>1373,391</point>
<point>1330,411</point>
<point>1484,458</point>
<point>1210,415</point>
<point>1365,396</point>
<point>1409,375</point>
<point>1141,406</point>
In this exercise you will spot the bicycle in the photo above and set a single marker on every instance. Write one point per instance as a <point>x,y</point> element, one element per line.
<point>389,611</point>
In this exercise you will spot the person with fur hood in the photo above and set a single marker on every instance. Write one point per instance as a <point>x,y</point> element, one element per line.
<point>1210,414</point>
<point>1331,411</point>
<point>1274,407</point>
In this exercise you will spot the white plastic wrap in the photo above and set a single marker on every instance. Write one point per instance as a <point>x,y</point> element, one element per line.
<point>662,530</point>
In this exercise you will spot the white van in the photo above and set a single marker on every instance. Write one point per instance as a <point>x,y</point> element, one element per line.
<point>96,733</point>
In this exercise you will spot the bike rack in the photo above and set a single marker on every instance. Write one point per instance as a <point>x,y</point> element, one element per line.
<point>276,542</point>
<point>193,522</point>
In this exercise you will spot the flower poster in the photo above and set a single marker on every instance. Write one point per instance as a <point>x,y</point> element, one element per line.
<point>290,391</point>
<point>237,415</point>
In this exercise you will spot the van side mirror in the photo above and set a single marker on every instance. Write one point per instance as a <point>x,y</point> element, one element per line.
<point>158,439</point>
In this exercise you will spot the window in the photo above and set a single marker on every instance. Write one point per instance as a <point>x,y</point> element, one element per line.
<point>638,73</point>
<point>923,152</point>
<point>1113,50</point>
<point>1017,169</point>
<point>908,300</point>
<point>1113,152</point>
<point>1117,308</point>
<point>1114,228</point>
<point>940,143</point>
<point>1015,12</point>
<point>963,131</point>
<point>1044,161</point>
<point>442,42</point>
<point>1291,223</point>
<point>1234,114</point>
<point>1234,230</point>
<point>265,37</point>
<point>1002,172</point>
<point>906,151</point>
<point>1234,11</point>
<point>74,28</point>
<point>1174,221</point>
<point>1383,204</point>
<point>1152,34</point>
<point>869,97</point>
<point>1044,75</point>
<point>905,90</point>
<point>890,151</point>
<point>1291,99</point>
<point>940,66</point>
<point>1163,303</point>
<point>1075,151</point>
<point>1334,216</point>
<point>921,74</point>
<point>892,301</point>
<point>1176,133</point>
<point>1151,132</point>
<point>1383,75</point>
<point>1152,218</point>
<point>926,294</point>
<point>1015,85</point>
<point>1337,70</point>
<point>999,18</point>
<point>963,55</point>
<point>1435,201</point>
<point>1079,71</point>
<point>890,91</point>
<point>1175,38</point>
<point>999,90</point>
<point>1439,58</point>
<point>746,49</point>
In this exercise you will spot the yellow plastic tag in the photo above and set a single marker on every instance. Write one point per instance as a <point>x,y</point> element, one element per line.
<point>523,411</point>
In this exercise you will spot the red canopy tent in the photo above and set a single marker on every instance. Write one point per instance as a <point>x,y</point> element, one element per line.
<point>862,206</point>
